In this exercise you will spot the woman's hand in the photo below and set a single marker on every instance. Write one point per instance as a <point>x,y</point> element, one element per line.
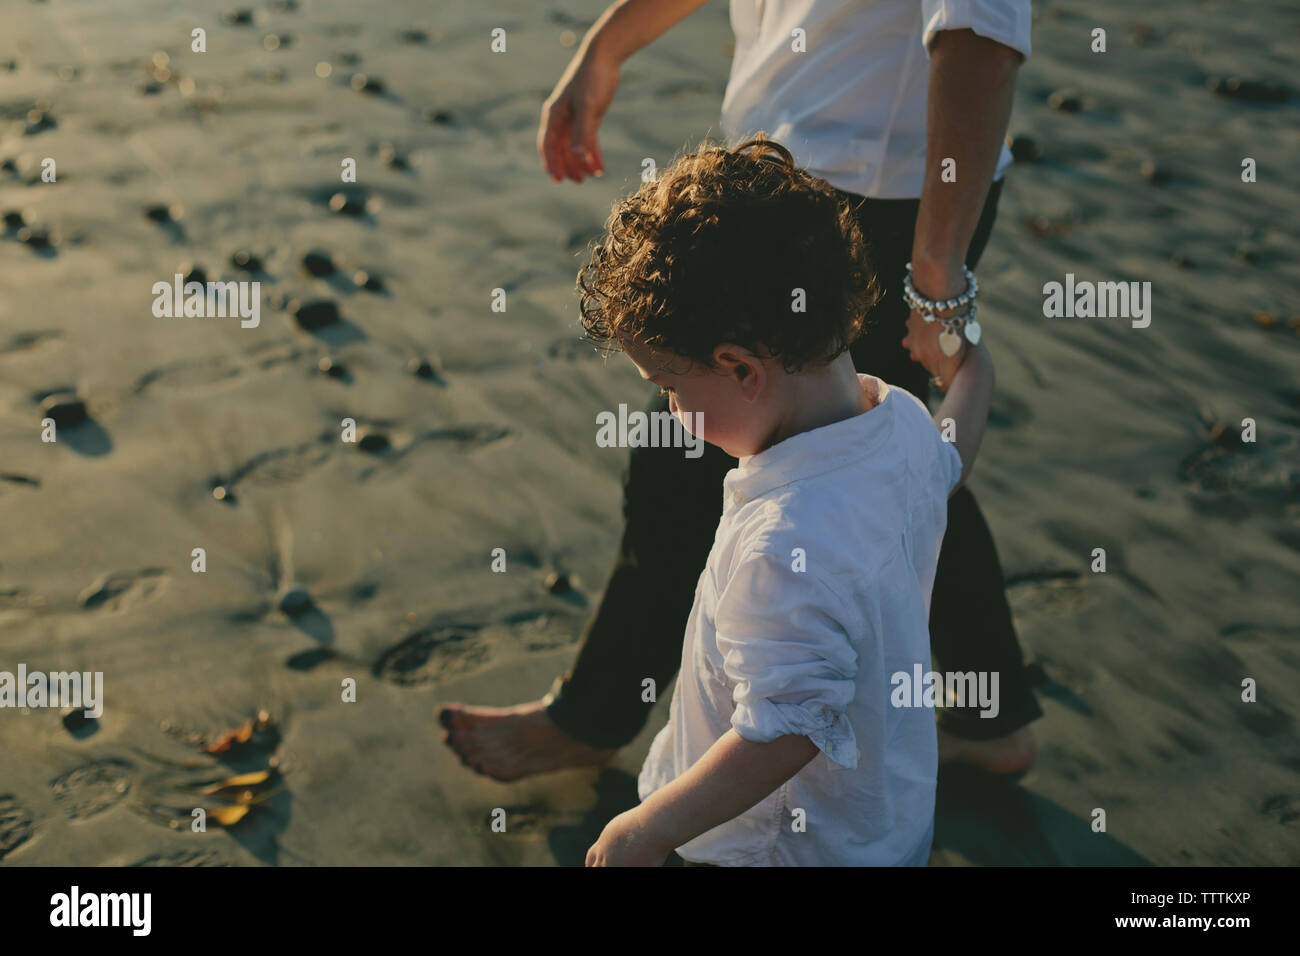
<point>627,841</point>
<point>922,339</point>
<point>566,138</point>
<point>922,344</point>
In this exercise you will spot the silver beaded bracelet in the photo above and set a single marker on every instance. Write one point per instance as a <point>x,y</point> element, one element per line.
<point>953,325</point>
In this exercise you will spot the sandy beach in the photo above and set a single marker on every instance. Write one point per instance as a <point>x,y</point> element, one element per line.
<point>372,561</point>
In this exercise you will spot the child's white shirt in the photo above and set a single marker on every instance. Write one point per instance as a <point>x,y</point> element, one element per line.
<point>816,591</point>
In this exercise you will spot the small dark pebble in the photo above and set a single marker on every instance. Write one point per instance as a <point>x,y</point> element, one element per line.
<point>237,17</point>
<point>76,721</point>
<point>368,281</point>
<point>295,601</point>
<point>1025,150</point>
<point>243,259</point>
<point>1246,252</point>
<point>152,88</point>
<point>421,368</point>
<point>441,117</point>
<point>1182,262</point>
<point>391,158</point>
<point>9,166</point>
<point>1146,494</point>
<point>194,274</point>
<point>284,6</point>
<point>315,314</point>
<point>1253,91</point>
<point>15,219</point>
<point>160,212</point>
<point>1067,101</point>
<point>38,120</point>
<point>332,367</point>
<point>346,205</point>
<point>367,84</point>
<point>558,583</point>
<point>374,442</point>
<point>1226,437</point>
<point>66,408</point>
<point>414,36</point>
<point>1155,174</point>
<point>36,238</point>
<point>318,263</point>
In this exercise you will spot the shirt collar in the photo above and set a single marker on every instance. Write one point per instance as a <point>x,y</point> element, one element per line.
<point>815,452</point>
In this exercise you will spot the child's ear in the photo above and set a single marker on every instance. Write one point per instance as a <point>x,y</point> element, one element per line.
<point>745,367</point>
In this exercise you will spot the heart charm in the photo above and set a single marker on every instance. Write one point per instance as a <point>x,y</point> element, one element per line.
<point>949,342</point>
<point>973,332</point>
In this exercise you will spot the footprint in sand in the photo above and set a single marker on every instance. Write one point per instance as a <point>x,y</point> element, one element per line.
<point>204,857</point>
<point>189,373</point>
<point>16,825</point>
<point>123,590</point>
<point>92,788</point>
<point>26,341</point>
<point>431,655</point>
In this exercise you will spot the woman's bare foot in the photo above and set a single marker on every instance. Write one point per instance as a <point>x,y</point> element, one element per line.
<point>507,743</point>
<point>1011,754</point>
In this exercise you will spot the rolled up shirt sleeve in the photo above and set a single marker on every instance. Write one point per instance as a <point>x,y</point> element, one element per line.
<point>1005,21</point>
<point>785,648</point>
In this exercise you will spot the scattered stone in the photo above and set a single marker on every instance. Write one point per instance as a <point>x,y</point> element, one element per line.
<point>414,36</point>
<point>1252,91</point>
<point>36,238</point>
<point>193,273</point>
<point>1066,100</point>
<point>151,88</point>
<point>162,213</point>
<point>390,157</point>
<point>1227,437</point>
<point>1025,150</point>
<point>1265,319</point>
<point>221,493</point>
<point>1246,252</point>
<point>422,368</point>
<point>346,205</point>
<point>15,219</point>
<point>1155,174</point>
<point>38,120</point>
<point>558,583</point>
<point>367,84</point>
<point>295,601</point>
<point>237,17</point>
<point>333,368</point>
<point>245,260</point>
<point>367,281</point>
<point>318,263</point>
<point>440,117</point>
<point>315,314</point>
<point>77,723</point>
<point>374,442</point>
<point>1182,262</point>
<point>66,408</point>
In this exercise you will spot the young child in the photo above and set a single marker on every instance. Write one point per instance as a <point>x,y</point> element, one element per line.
<point>736,283</point>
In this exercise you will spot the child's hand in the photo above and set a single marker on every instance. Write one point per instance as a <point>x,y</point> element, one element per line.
<point>627,841</point>
<point>922,342</point>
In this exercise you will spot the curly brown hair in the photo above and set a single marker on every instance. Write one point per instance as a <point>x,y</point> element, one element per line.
<point>712,251</point>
